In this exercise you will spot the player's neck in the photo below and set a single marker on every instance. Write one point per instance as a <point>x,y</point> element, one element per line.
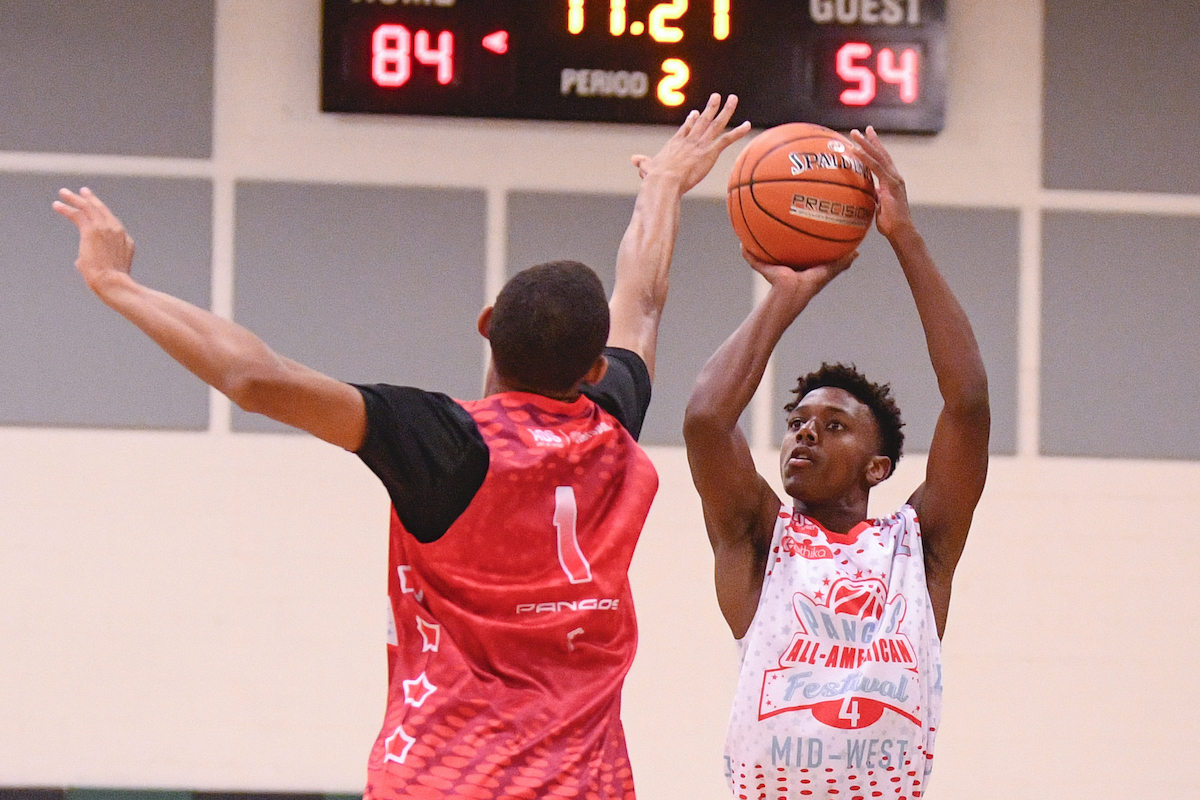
<point>838,516</point>
<point>495,384</point>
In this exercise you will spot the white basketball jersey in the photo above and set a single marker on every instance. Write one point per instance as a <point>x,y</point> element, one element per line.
<point>839,694</point>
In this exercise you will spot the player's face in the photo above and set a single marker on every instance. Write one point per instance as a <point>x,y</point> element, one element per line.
<point>831,441</point>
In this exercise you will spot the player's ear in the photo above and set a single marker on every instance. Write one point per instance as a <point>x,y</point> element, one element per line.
<point>596,373</point>
<point>878,469</point>
<point>484,323</point>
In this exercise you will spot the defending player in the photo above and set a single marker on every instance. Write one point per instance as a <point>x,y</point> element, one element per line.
<point>838,618</point>
<point>514,517</point>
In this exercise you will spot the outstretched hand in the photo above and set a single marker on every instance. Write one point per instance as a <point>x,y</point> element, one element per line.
<point>691,153</point>
<point>803,284</point>
<point>105,249</point>
<point>893,212</point>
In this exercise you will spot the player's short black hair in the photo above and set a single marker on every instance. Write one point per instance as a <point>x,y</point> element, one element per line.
<point>875,396</point>
<point>549,325</point>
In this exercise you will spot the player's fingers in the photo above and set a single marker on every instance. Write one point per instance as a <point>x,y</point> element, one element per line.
<point>731,136</point>
<point>689,122</point>
<point>70,198</point>
<point>711,107</point>
<point>72,206</point>
<point>67,210</point>
<point>96,202</point>
<point>883,170</point>
<point>723,116</point>
<point>870,145</point>
<point>750,258</point>
<point>85,202</point>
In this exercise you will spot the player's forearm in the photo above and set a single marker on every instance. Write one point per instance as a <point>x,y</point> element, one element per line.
<point>218,351</point>
<point>729,380</point>
<point>643,265</point>
<point>953,349</point>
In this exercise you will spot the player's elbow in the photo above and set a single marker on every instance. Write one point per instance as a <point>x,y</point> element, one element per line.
<point>975,398</point>
<point>970,405</point>
<point>967,394</point>
<point>253,386</point>
<point>701,419</point>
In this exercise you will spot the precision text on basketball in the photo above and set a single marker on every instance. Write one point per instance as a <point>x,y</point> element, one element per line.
<point>820,209</point>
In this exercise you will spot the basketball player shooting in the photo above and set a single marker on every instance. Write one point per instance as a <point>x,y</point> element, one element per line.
<point>514,517</point>
<point>838,617</point>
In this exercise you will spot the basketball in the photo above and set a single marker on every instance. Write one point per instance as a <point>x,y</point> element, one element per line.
<point>798,195</point>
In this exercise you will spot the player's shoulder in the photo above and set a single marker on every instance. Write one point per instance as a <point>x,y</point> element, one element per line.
<point>903,517</point>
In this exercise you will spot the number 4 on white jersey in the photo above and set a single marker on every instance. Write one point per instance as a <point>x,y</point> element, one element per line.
<point>849,711</point>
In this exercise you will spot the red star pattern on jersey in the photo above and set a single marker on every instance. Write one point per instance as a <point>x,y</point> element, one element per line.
<point>514,630</point>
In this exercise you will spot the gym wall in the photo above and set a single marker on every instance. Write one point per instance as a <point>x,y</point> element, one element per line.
<point>193,598</point>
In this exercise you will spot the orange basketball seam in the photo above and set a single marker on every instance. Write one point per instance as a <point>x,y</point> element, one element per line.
<point>823,182</point>
<point>750,233</point>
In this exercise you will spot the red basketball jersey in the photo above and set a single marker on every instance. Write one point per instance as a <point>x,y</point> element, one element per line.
<point>515,629</point>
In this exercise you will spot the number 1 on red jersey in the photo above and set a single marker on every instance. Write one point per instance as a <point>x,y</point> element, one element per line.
<point>571,558</point>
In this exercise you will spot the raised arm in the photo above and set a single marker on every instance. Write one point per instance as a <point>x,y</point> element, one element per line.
<point>219,352</point>
<point>958,456</point>
<point>739,505</point>
<point>644,258</point>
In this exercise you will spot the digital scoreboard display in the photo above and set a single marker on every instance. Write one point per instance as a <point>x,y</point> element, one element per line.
<point>840,63</point>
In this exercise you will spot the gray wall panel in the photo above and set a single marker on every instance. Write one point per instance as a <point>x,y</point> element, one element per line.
<point>1121,89</point>
<point>66,358</point>
<point>367,284</point>
<point>867,317</point>
<point>555,226</point>
<point>132,78</point>
<point>711,293</point>
<point>1121,345</point>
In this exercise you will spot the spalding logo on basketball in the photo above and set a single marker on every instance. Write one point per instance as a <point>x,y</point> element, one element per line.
<point>798,195</point>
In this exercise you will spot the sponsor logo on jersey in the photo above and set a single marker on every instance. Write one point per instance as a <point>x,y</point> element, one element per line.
<point>560,438</point>
<point>804,548</point>
<point>798,541</point>
<point>590,604</point>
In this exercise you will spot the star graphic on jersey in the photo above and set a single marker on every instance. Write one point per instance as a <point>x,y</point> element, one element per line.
<point>397,745</point>
<point>818,595</point>
<point>431,635</point>
<point>417,691</point>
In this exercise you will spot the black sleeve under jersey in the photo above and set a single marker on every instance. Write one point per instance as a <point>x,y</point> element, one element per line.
<point>428,452</point>
<point>431,457</point>
<point>624,391</point>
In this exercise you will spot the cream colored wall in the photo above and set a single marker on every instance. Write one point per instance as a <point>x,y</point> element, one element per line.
<point>206,610</point>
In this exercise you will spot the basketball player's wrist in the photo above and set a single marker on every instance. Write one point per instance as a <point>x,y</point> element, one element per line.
<point>672,182</point>
<point>904,236</point>
<point>110,284</point>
